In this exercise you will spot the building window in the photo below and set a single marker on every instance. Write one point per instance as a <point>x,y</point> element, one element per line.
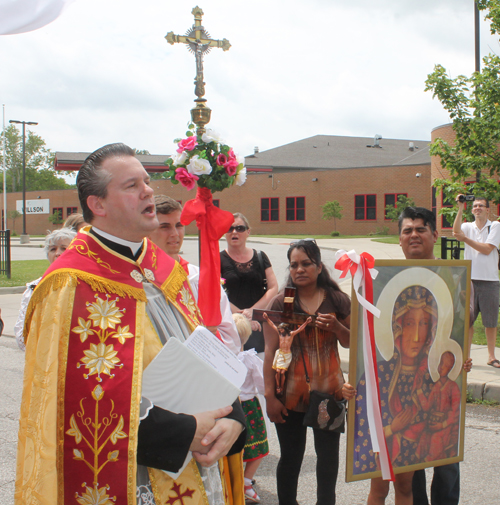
<point>71,210</point>
<point>270,209</point>
<point>365,207</point>
<point>57,213</point>
<point>392,199</point>
<point>216,203</point>
<point>296,208</point>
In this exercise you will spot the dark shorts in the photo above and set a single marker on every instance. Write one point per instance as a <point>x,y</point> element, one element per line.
<point>485,299</point>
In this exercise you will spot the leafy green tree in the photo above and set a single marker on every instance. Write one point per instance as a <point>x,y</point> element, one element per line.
<point>392,212</point>
<point>473,104</point>
<point>13,214</point>
<point>40,174</point>
<point>332,210</point>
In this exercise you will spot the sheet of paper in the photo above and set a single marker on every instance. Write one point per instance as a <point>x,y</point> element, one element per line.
<point>211,350</point>
<point>179,381</point>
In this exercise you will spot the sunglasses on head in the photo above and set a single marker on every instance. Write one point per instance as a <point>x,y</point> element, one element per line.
<point>296,242</point>
<point>240,228</point>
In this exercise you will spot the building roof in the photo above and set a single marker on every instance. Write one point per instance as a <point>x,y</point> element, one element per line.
<point>73,161</point>
<point>327,152</point>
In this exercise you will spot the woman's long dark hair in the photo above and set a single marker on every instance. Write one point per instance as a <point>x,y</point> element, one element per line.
<point>324,280</point>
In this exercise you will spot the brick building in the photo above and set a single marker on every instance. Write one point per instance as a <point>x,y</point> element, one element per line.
<point>287,185</point>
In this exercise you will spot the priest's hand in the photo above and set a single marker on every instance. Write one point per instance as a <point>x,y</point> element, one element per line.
<point>218,441</point>
<point>205,422</point>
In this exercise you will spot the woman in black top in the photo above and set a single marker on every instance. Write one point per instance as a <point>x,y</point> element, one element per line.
<point>250,282</point>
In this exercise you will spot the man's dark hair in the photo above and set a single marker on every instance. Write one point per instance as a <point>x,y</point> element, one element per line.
<point>166,205</point>
<point>483,199</point>
<point>422,213</point>
<point>92,181</point>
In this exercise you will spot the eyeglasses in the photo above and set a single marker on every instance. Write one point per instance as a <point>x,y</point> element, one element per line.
<point>240,228</point>
<point>478,206</point>
<point>303,240</point>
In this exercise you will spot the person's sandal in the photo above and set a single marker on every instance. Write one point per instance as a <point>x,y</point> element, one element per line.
<point>251,495</point>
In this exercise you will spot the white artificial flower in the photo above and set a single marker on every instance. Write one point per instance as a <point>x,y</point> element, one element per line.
<point>240,159</point>
<point>199,166</point>
<point>179,158</point>
<point>241,177</point>
<point>212,136</point>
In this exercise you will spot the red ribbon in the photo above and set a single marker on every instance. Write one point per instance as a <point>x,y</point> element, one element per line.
<point>345,264</point>
<point>212,223</point>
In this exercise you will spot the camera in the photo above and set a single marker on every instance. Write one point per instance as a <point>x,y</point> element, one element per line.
<point>466,198</point>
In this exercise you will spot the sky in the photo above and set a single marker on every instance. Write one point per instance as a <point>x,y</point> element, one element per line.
<point>103,72</point>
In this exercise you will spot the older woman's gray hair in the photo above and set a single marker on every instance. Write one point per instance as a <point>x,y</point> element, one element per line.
<point>53,238</point>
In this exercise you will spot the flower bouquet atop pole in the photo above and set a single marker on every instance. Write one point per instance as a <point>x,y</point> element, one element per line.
<point>204,160</point>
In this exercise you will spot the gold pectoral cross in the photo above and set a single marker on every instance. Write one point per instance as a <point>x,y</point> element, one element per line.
<point>198,41</point>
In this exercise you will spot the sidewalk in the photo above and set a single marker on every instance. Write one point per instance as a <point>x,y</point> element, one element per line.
<point>483,382</point>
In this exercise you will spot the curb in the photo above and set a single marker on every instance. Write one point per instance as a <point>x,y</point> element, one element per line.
<point>483,391</point>
<point>12,290</point>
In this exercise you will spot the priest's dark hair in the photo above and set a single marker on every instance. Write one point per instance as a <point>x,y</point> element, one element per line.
<point>91,180</point>
<point>422,213</point>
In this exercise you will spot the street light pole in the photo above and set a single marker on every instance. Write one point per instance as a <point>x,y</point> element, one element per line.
<point>25,238</point>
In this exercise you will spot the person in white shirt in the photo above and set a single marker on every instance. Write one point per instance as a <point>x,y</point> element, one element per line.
<point>169,238</point>
<point>481,239</point>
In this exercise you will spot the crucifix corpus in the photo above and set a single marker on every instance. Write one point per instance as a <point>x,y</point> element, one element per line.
<point>198,42</point>
<point>283,356</point>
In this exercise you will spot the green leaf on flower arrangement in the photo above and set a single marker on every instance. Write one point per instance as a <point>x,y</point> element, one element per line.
<point>175,181</point>
<point>189,134</point>
<point>176,141</point>
<point>191,126</point>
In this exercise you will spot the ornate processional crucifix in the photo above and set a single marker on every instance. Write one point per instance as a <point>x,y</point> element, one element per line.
<point>198,42</point>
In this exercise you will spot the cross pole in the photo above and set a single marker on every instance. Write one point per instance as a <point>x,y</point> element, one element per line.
<point>198,42</point>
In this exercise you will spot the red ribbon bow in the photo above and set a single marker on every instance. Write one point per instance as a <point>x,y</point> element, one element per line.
<point>212,223</point>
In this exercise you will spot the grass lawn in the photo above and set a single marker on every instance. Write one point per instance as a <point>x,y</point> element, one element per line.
<point>23,272</point>
<point>479,335</point>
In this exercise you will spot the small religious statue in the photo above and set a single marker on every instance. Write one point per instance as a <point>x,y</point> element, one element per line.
<point>283,355</point>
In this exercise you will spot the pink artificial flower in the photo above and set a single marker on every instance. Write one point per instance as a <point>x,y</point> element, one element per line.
<point>185,178</point>
<point>187,144</point>
<point>221,160</point>
<point>231,167</point>
<point>231,154</point>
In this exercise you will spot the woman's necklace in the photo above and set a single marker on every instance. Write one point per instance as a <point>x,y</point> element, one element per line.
<point>318,303</point>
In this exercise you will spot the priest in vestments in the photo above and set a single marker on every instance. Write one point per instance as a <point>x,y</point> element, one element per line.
<point>99,316</point>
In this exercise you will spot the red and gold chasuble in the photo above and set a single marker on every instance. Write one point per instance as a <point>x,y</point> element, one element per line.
<point>103,347</point>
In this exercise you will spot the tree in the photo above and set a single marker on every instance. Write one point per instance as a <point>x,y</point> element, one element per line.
<point>39,162</point>
<point>13,214</point>
<point>392,212</point>
<point>333,210</point>
<point>473,104</point>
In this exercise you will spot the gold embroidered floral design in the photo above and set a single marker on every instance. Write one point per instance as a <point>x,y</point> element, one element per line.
<point>100,359</point>
<point>105,313</point>
<point>122,334</point>
<point>83,329</point>
<point>96,432</point>
<point>82,248</point>
<point>153,255</point>
<point>188,301</point>
<point>95,496</point>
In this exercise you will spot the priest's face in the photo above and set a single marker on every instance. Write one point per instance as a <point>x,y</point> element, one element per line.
<point>128,210</point>
<point>170,235</point>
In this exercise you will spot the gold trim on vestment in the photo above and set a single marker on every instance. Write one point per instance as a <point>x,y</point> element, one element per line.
<point>61,392</point>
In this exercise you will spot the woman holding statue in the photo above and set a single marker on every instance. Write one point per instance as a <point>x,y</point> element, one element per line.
<point>314,353</point>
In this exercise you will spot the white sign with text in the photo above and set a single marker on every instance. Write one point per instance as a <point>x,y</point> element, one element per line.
<point>34,206</point>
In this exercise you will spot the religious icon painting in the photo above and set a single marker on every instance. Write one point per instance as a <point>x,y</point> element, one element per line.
<point>416,356</point>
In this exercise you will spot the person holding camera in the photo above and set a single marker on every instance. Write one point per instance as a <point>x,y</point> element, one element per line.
<point>481,239</point>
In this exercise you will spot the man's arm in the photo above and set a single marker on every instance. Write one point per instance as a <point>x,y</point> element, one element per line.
<point>460,235</point>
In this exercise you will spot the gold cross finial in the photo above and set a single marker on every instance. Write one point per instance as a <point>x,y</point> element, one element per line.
<point>198,41</point>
